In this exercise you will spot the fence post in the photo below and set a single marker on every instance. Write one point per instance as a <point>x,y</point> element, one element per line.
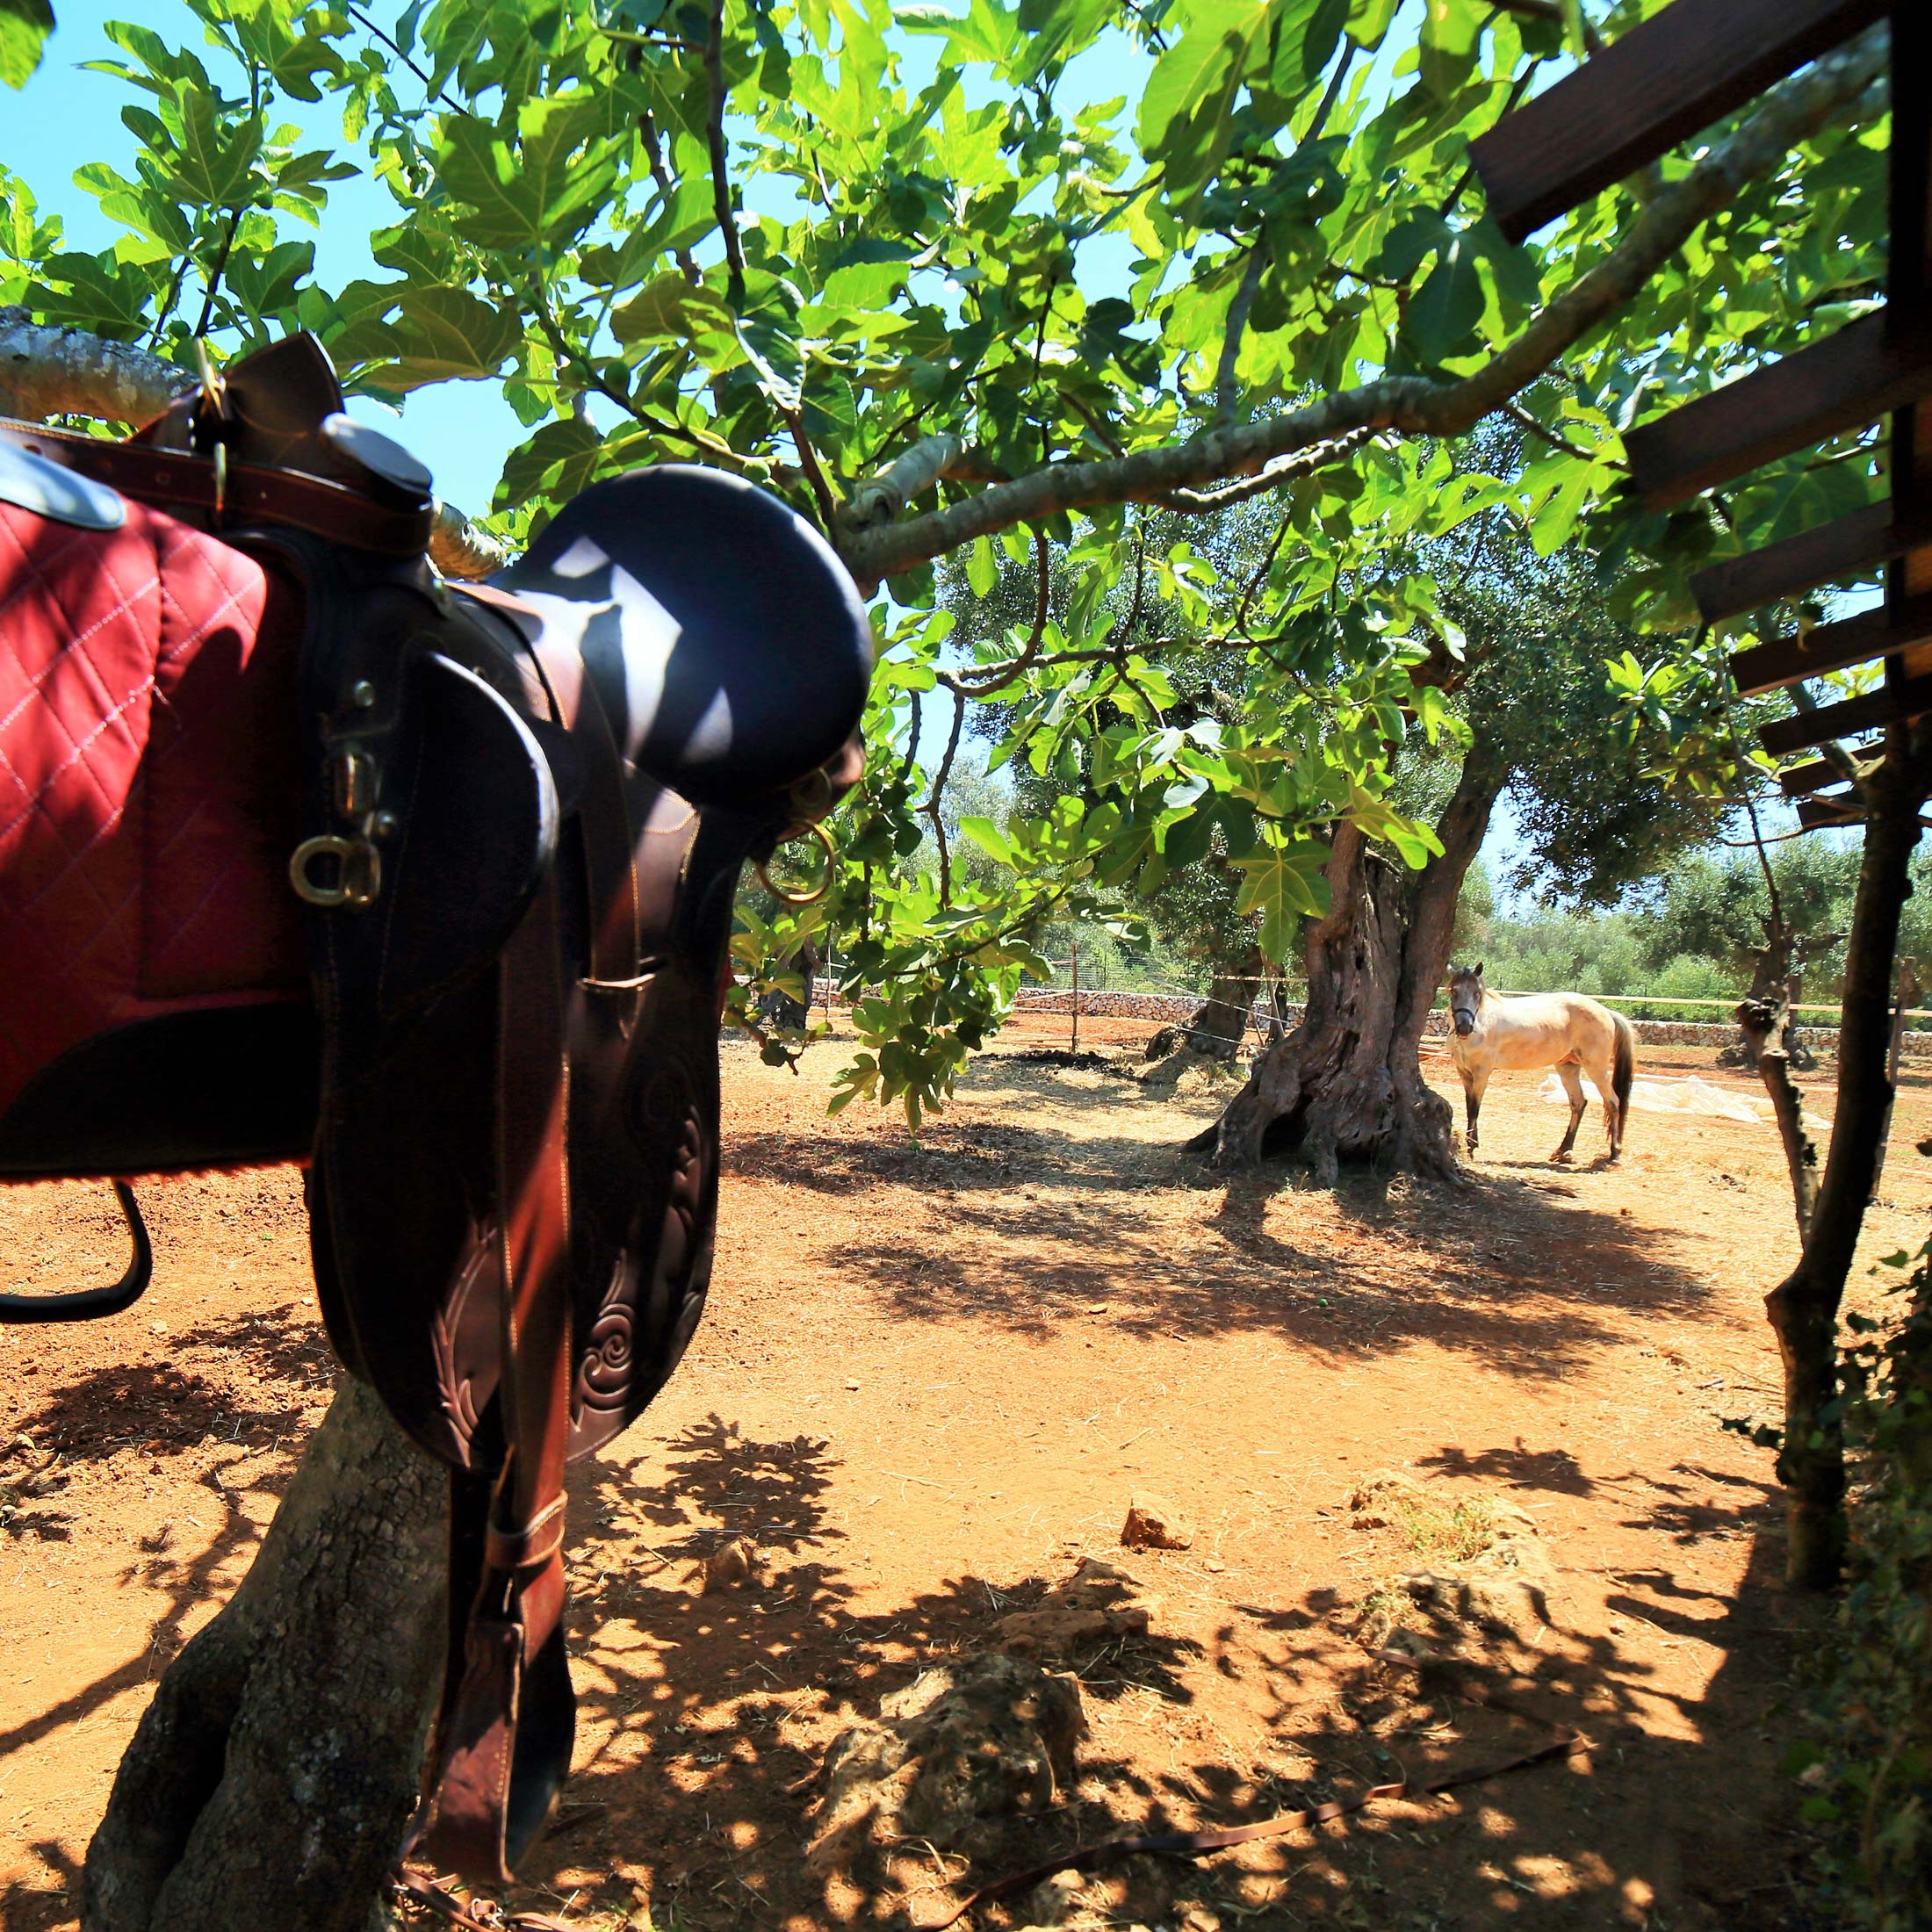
<point>1074,947</point>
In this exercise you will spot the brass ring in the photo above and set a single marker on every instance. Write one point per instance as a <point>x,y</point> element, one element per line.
<point>811,797</point>
<point>356,865</point>
<point>812,830</point>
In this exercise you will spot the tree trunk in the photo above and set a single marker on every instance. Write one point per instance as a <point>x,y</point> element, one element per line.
<point>1220,1023</point>
<point>1803,1308</point>
<point>779,1009</point>
<point>1767,1026</point>
<point>1346,1083</point>
<point>1771,974</point>
<point>272,1778</point>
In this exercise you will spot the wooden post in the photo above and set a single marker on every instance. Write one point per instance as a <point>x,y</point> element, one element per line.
<point>1908,993</point>
<point>1074,946</point>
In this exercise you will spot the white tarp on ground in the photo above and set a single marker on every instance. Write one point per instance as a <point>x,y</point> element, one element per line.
<point>1684,1095</point>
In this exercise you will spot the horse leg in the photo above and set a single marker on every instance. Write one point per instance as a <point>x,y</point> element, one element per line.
<point>1571,1075</point>
<point>1472,1086</point>
<point>1603,1077</point>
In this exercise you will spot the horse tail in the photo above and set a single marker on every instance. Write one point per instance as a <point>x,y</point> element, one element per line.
<point>1622,1070</point>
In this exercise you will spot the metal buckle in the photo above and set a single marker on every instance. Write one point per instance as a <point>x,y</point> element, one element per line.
<point>353,784</point>
<point>358,871</point>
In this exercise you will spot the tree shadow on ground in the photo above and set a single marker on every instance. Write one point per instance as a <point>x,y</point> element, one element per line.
<point>1043,1224</point>
<point>43,1907</point>
<point>240,1392</point>
<point>711,1709</point>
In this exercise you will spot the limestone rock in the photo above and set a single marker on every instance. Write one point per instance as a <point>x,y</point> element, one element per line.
<point>1484,1567</point>
<point>1375,1502</point>
<point>1096,1604</point>
<point>1052,1899</point>
<point>1153,1523</point>
<point>1510,1603</point>
<point>959,1750</point>
<point>732,1565</point>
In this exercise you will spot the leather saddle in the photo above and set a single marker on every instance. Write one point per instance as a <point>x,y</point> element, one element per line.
<point>519,813</point>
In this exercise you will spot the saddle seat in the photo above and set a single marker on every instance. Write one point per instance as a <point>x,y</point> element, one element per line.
<point>524,808</point>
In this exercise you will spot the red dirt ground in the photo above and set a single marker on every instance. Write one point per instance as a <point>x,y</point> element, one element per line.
<point>928,1383</point>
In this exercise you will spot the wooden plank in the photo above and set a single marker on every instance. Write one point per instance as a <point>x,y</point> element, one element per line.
<point>1814,812</point>
<point>1881,632</point>
<point>1880,363</point>
<point>1909,286</point>
<point>1847,547</point>
<point>1887,705</point>
<point>1654,86</point>
<point>1820,772</point>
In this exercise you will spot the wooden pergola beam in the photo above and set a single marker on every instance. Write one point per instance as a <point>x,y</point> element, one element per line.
<point>1815,813</point>
<point>1890,704</point>
<point>1652,88</point>
<point>1871,367</point>
<point>1820,772</point>
<point>1848,546</point>
<point>1878,633</point>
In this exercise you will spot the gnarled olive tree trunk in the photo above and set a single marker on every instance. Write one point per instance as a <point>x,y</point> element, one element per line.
<point>1220,1021</point>
<point>1346,1083</point>
<point>271,1780</point>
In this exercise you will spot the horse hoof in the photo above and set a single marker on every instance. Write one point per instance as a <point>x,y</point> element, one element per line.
<point>1562,1157</point>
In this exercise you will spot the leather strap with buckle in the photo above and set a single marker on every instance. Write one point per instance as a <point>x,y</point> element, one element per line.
<point>229,492</point>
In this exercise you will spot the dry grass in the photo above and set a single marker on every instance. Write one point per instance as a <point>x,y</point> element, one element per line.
<point>1458,1534</point>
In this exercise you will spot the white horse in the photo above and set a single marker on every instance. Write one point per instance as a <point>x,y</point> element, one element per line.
<point>1568,1031</point>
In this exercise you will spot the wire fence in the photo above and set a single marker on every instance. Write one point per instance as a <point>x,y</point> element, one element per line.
<point>1159,1002</point>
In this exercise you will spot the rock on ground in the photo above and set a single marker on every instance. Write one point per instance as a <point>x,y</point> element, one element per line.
<point>732,1564</point>
<point>1501,1586</point>
<point>1153,1523</point>
<point>960,1750</point>
<point>1098,1602</point>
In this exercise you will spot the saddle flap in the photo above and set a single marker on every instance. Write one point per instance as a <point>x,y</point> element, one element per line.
<point>726,640</point>
<point>477,835</point>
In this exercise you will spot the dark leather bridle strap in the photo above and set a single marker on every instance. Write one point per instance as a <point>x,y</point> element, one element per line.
<point>175,479</point>
<point>502,1749</point>
<point>1192,1844</point>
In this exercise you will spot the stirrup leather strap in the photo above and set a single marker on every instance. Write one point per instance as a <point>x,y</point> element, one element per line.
<point>503,1741</point>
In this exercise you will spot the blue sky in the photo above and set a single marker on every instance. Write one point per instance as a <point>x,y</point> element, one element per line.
<point>66,117</point>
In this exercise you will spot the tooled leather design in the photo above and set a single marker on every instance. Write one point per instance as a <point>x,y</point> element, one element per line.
<point>452,1345</point>
<point>607,1367</point>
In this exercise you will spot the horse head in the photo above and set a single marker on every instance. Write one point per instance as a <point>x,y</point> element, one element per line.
<point>1464,997</point>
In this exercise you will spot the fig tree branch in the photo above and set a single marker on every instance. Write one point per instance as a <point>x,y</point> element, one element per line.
<point>1412,404</point>
<point>49,370</point>
<point>721,186</point>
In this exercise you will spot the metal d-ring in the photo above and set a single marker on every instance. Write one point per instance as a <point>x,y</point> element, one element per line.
<point>812,830</point>
<point>358,871</point>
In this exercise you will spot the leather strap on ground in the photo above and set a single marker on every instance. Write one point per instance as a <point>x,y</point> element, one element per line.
<point>1193,1844</point>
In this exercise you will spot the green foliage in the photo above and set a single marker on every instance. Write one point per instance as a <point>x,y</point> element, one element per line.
<point>1716,904</point>
<point>803,268</point>
<point>1866,1768</point>
<point>25,26</point>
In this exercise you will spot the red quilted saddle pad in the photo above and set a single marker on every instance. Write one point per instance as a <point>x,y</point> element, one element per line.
<point>148,781</point>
